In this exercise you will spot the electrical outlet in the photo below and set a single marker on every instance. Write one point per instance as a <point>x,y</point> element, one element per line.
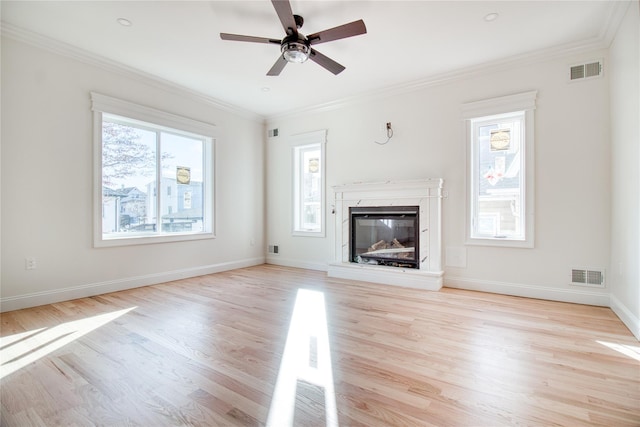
<point>30,263</point>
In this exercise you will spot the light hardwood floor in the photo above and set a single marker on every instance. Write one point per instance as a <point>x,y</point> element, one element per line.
<point>207,351</point>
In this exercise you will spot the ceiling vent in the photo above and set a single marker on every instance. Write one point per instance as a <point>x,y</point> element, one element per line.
<point>585,71</point>
<point>587,277</point>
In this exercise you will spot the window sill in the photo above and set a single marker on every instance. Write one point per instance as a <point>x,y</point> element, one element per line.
<point>149,240</point>
<point>497,242</point>
<point>308,233</point>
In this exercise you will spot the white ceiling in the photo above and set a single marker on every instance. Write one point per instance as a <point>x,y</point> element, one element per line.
<point>406,41</point>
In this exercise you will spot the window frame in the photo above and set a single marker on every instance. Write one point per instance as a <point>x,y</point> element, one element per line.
<point>157,120</point>
<point>300,142</point>
<point>498,109</point>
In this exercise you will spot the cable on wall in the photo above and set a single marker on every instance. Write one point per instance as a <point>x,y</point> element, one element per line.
<point>389,135</point>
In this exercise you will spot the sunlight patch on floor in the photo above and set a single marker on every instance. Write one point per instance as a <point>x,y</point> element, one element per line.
<point>306,357</point>
<point>628,350</point>
<point>19,350</point>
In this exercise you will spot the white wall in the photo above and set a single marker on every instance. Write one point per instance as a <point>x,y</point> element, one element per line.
<point>47,182</point>
<point>572,227</point>
<point>625,143</point>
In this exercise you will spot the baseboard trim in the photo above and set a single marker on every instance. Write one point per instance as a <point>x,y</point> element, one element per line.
<point>578,296</point>
<point>92,289</point>
<point>296,263</point>
<point>627,317</point>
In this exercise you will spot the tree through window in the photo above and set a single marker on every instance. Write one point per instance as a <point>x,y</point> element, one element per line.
<point>155,181</point>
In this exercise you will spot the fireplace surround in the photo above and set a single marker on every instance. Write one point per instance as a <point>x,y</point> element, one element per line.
<point>380,207</point>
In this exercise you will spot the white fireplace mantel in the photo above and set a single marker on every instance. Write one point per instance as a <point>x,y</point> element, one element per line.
<point>424,193</point>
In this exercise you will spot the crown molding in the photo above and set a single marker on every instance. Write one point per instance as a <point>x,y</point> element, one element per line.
<point>613,21</point>
<point>602,41</point>
<point>452,76</point>
<point>54,46</point>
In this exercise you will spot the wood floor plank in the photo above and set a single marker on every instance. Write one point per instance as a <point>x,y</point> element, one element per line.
<point>207,351</point>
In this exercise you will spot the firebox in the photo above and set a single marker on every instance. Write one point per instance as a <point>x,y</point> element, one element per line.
<point>385,235</point>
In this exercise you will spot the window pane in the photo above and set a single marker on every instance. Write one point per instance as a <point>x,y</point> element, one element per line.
<point>308,190</point>
<point>311,190</point>
<point>500,149</point>
<point>154,183</point>
<point>499,179</point>
<point>182,171</point>
<point>128,174</point>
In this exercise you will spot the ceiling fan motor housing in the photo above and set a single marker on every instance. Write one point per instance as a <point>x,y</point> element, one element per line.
<point>295,48</point>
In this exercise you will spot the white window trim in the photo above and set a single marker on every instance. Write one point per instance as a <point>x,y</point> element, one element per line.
<point>525,102</point>
<point>298,141</point>
<point>102,104</point>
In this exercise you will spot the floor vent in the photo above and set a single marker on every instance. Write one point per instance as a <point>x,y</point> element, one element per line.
<point>585,277</point>
<point>585,71</point>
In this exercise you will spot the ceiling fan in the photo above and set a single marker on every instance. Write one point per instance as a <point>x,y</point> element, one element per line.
<point>295,46</point>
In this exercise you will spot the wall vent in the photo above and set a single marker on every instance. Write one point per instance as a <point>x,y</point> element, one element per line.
<point>272,132</point>
<point>585,71</point>
<point>587,277</point>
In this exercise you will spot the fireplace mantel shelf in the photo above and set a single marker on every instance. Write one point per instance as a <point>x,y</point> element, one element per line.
<point>424,193</point>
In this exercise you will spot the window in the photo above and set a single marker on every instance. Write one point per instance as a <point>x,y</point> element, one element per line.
<point>308,184</point>
<point>500,166</point>
<point>153,175</point>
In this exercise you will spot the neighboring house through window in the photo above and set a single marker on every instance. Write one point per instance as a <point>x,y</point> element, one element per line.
<point>500,147</point>
<point>139,150</point>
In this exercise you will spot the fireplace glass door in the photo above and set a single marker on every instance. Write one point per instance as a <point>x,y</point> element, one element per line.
<point>386,235</point>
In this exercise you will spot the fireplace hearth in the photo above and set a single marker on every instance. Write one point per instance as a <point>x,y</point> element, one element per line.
<point>389,232</point>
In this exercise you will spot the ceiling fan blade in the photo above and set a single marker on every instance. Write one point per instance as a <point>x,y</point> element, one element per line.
<point>283,9</point>
<point>277,67</point>
<point>326,62</point>
<point>351,29</point>
<point>241,38</point>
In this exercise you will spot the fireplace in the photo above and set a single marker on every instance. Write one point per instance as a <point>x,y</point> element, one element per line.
<point>383,235</point>
<point>397,226</point>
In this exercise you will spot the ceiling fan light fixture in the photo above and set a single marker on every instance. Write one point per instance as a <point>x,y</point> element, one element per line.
<point>295,52</point>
